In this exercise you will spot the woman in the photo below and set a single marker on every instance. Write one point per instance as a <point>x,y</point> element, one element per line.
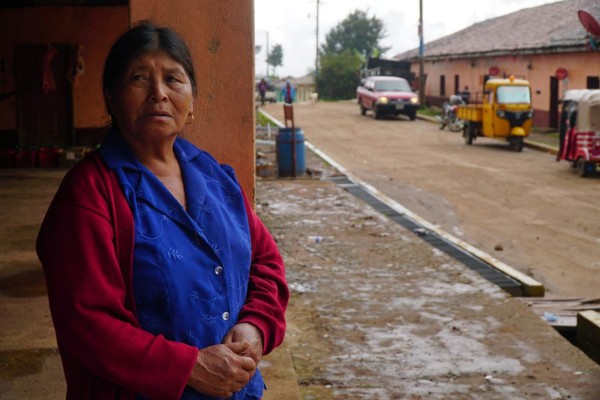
<point>288,92</point>
<point>163,283</point>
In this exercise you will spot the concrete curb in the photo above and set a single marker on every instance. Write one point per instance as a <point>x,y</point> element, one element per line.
<point>280,376</point>
<point>541,147</point>
<point>588,333</point>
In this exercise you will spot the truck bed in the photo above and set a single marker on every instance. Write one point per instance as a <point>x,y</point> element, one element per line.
<point>470,112</point>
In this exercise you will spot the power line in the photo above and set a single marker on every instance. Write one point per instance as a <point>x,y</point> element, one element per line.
<point>267,59</point>
<point>421,58</point>
<point>317,44</point>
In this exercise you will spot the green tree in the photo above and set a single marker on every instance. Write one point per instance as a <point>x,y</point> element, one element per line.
<point>339,75</point>
<point>356,32</point>
<point>343,54</point>
<point>275,57</point>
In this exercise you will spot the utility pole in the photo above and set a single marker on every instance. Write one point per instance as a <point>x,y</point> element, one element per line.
<point>317,54</point>
<point>421,58</point>
<point>267,55</point>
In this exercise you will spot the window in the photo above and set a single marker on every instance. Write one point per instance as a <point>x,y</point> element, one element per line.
<point>593,82</point>
<point>513,95</point>
<point>456,84</point>
<point>442,85</point>
<point>392,86</point>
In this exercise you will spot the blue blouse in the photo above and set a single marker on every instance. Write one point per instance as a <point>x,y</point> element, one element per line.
<point>190,269</point>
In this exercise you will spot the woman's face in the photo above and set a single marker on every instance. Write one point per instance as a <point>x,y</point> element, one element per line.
<point>153,99</point>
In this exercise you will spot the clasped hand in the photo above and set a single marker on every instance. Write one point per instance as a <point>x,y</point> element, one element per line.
<point>223,369</point>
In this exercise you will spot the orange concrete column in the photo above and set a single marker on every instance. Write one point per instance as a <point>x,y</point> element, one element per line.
<point>220,35</point>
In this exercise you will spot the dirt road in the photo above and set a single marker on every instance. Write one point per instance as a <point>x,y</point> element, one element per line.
<point>523,208</point>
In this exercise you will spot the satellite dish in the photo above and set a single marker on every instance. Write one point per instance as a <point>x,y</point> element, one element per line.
<point>589,23</point>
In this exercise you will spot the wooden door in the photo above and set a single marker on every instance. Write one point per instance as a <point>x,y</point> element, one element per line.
<point>44,95</point>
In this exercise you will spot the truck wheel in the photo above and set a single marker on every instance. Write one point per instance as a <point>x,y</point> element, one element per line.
<point>584,168</point>
<point>468,133</point>
<point>363,110</point>
<point>375,114</point>
<point>518,143</point>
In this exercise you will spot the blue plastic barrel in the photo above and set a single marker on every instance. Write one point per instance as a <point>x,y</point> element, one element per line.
<point>284,151</point>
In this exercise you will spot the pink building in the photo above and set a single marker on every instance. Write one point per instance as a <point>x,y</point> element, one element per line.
<point>546,45</point>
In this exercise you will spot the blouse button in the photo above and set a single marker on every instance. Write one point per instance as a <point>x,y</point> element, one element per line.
<point>225,316</point>
<point>218,270</point>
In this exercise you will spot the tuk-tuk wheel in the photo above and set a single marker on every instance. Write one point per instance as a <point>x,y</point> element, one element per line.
<point>585,168</point>
<point>468,133</point>
<point>518,143</point>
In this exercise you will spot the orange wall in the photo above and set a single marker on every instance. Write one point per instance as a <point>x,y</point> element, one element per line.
<point>220,35</point>
<point>538,69</point>
<point>93,27</point>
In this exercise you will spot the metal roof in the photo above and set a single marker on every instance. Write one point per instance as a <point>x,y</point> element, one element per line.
<point>550,28</point>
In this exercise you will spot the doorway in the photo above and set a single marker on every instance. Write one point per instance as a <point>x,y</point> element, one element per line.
<point>553,120</point>
<point>44,95</point>
<point>593,82</point>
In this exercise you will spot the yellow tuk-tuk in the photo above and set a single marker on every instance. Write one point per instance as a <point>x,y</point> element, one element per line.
<point>504,112</point>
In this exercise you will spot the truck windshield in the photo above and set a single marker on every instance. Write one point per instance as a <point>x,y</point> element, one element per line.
<point>513,95</point>
<point>392,86</point>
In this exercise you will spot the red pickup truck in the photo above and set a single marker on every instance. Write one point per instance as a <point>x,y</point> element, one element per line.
<point>387,95</point>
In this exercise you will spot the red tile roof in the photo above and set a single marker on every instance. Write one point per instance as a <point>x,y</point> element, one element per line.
<point>549,28</point>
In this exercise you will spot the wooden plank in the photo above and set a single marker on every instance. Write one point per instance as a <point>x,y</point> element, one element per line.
<point>562,314</point>
<point>588,333</point>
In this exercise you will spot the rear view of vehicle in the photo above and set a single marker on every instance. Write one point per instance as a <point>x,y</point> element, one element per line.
<point>581,142</point>
<point>387,95</point>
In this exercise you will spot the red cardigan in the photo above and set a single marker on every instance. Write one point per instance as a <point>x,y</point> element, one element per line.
<point>85,245</point>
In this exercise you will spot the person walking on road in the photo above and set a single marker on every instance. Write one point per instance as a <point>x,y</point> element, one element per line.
<point>288,93</point>
<point>163,282</point>
<point>262,90</point>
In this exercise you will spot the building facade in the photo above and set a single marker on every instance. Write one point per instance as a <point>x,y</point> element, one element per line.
<point>546,45</point>
<point>51,59</point>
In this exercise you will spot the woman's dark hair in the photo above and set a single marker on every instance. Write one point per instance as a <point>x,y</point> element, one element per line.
<point>145,37</point>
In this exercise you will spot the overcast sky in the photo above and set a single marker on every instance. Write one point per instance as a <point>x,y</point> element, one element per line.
<point>292,24</point>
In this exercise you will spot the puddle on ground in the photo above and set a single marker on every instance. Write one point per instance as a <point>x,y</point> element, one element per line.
<point>30,283</point>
